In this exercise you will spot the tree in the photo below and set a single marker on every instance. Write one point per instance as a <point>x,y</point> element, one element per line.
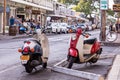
<point>110,12</point>
<point>85,6</point>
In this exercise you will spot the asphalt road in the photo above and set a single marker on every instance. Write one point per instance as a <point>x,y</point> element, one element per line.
<point>11,68</point>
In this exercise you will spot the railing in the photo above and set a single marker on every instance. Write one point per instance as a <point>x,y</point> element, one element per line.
<point>45,3</point>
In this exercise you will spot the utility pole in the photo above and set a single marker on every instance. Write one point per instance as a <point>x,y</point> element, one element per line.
<point>103,7</point>
<point>103,25</point>
<point>4,17</point>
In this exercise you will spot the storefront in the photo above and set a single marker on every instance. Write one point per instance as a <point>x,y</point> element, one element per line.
<point>34,9</point>
<point>1,17</point>
<point>21,13</point>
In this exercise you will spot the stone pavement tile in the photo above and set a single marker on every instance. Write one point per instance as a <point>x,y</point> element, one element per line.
<point>115,43</point>
<point>114,73</point>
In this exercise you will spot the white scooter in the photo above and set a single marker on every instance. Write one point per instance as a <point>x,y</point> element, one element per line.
<point>83,51</point>
<point>33,52</point>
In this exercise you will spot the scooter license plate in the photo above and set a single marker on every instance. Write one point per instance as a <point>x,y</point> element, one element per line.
<point>24,61</point>
<point>25,57</point>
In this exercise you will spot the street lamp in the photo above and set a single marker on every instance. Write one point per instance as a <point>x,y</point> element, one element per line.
<point>4,17</point>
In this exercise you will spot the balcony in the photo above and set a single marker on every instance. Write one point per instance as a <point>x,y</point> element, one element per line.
<point>44,4</point>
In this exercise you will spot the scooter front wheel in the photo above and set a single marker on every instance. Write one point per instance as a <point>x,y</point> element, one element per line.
<point>70,62</point>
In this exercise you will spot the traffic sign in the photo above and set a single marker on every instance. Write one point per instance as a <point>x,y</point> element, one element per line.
<point>103,4</point>
<point>116,7</point>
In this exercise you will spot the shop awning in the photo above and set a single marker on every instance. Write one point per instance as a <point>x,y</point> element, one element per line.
<point>57,16</point>
<point>32,4</point>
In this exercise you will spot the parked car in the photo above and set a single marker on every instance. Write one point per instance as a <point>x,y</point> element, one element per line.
<point>72,29</point>
<point>82,26</point>
<point>63,27</point>
<point>55,28</point>
<point>48,28</point>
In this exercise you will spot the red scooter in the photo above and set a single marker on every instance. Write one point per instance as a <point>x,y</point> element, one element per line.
<point>83,51</point>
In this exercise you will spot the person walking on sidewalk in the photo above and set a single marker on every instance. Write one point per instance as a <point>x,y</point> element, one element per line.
<point>12,21</point>
<point>111,26</point>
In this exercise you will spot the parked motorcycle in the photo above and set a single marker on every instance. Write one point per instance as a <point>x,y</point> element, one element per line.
<point>83,51</point>
<point>32,55</point>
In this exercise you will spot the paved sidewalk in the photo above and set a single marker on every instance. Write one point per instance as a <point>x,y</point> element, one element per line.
<point>114,73</point>
<point>7,37</point>
<point>115,43</point>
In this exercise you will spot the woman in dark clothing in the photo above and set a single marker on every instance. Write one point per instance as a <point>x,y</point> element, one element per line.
<point>38,26</point>
<point>111,27</point>
<point>12,21</point>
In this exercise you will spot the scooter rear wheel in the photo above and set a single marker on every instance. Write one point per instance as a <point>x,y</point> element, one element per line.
<point>70,62</point>
<point>28,68</point>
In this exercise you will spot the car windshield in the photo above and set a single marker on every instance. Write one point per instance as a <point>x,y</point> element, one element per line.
<point>53,24</point>
<point>72,26</point>
<point>80,25</point>
<point>63,24</point>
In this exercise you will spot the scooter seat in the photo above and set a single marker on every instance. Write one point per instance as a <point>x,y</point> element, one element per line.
<point>90,41</point>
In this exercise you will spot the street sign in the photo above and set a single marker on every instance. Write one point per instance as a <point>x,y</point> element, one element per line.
<point>116,7</point>
<point>103,4</point>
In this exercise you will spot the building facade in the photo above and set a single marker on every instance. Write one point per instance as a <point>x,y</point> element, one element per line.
<point>61,13</point>
<point>26,9</point>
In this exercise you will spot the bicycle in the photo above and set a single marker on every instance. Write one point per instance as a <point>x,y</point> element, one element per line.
<point>111,35</point>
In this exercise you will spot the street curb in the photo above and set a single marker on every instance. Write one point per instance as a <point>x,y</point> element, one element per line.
<point>25,36</point>
<point>115,69</point>
<point>57,67</point>
<point>109,44</point>
<point>106,56</point>
<point>81,74</point>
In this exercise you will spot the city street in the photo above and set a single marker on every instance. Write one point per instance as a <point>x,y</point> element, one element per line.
<point>70,58</point>
<point>11,68</point>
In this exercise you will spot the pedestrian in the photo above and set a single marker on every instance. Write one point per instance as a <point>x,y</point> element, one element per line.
<point>25,25</point>
<point>38,26</point>
<point>12,21</point>
<point>117,25</point>
<point>17,22</point>
<point>111,26</point>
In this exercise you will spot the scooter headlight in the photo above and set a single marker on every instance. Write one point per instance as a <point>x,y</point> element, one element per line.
<point>73,52</point>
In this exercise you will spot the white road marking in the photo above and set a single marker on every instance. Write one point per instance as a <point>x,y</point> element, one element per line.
<point>11,68</point>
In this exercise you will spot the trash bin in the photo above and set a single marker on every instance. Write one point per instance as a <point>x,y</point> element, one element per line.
<point>12,31</point>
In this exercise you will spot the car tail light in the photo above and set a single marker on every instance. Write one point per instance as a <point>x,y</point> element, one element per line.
<point>73,52</point>
<point>26,49</point>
